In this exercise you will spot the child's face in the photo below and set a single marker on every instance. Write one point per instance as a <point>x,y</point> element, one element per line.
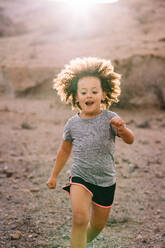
<point>89,95</point>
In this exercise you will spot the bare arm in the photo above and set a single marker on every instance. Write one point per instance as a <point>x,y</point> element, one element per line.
<point>125,133</point>
<point>62,157</point>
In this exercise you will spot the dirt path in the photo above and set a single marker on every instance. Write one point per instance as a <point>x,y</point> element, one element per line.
<point>33,216</point>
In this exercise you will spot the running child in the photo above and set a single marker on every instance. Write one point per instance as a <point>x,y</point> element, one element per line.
<point>90,85</point>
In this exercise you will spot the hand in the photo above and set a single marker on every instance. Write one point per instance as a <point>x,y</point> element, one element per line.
<point>51,183</point>
<point>117,123</point>
<point>122,131</point>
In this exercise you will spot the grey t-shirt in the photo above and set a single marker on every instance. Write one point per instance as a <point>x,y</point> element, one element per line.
<point>93,142</point>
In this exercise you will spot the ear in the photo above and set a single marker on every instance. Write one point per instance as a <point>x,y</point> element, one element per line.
<point>76,98</point>
<point>103,96</point>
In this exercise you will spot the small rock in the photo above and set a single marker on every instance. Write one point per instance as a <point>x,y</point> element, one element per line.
<point>157,230</point>
<point>2,175</point>
<point>26,125</point>
<point>51,105</point>
<point>129,122</point>
<point>5,168</point>
<point>2,161</point>
<point>162,39</point>
<point>9,173</point>
<point>144,142</point>
<point>162,125</point>
<point>8,197</point>
<point>25,190</point>
<point>13,154</point>
<point>162,198</point>
<point>121,186</point>
<point>144,241</point>
<point>139,237</point>
<point>66,237</point>
<point>20,159</point>
<point>5,109</point>
<point>17,177</point>
<point>15,187</point>
<point>117,162</point>
<point>13,148</point>
<point>158,175</point>
<point>34,190</point>
<point>147,192</point>
<point>125,160</point>
<point>144,124</point>
<point>159,119</point>
<point>124,176</point>
<point>6,172</point>
<point>159,211</point>
<point>25,175</point>
<point>16,235</point>
<point>132,168</point>
<point>10,217</point>
<point>31,176</point>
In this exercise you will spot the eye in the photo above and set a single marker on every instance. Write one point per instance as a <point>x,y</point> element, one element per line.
<point>94,92</point>
<point>83,92</point>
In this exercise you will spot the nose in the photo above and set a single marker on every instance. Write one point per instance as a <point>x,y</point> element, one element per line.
<point>89,94</point>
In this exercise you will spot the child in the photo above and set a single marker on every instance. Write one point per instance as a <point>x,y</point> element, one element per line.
<point>90,85</point>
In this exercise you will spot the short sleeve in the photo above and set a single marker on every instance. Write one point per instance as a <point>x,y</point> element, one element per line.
<point>110,116</point>
<point>67,132</point>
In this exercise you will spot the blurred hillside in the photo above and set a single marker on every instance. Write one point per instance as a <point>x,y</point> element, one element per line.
<point>38,37</point>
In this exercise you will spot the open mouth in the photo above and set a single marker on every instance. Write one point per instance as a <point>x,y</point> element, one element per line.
<point>89,103</point>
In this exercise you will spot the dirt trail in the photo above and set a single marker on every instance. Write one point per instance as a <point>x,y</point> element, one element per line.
<point>33,216</point>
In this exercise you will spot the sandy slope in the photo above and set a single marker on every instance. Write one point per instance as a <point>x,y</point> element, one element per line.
<point>52,34</point>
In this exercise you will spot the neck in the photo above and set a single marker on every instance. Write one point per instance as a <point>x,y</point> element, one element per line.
<point>88,115</point>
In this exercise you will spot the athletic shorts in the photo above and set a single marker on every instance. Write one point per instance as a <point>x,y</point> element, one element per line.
<point>101,196</point>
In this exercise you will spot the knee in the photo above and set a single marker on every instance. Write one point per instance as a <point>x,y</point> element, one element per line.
<point>80,218</point>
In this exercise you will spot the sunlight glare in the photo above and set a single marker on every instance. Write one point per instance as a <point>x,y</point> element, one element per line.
<point>80,7</point>
<point>83,7</point>
<point>86,1</point>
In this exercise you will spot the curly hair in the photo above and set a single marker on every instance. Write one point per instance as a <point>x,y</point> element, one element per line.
<point>66,81</point>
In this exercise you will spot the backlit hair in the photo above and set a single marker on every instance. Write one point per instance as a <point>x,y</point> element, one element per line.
<point>66,81</point>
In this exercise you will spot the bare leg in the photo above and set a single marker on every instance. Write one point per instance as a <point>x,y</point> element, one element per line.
<point>81,202</point>
<point>98,221</point>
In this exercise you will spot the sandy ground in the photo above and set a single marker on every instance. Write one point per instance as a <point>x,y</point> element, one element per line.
<point>33,216</point>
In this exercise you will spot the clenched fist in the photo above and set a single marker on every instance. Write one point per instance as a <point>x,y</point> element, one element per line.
<point>117,123</point>
<point>51,183</point>
<point>122,131</point>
